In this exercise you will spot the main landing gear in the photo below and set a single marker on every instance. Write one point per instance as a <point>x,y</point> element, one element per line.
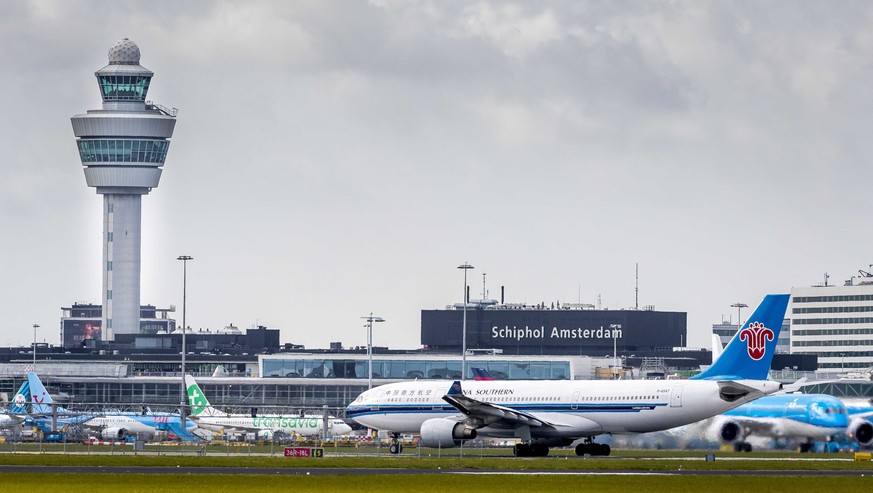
<point>592,449</point>
<point>742,447</point>
<point>530,450</point>
<point>394,446</point>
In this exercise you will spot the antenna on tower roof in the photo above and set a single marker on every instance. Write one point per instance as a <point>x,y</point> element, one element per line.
<point>637,289</point>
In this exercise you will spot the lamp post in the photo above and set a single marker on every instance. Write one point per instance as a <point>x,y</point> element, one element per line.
<point>35,326</point>
<point>842,362</point>
<point>184,259</point>
<point>465,267</point>
<point>614,328</point>
<point>369,326</point>
<point>739,307</point>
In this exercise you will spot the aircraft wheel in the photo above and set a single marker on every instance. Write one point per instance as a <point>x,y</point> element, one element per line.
<point>539,450</point>
<point>747,447</point>
<point>605,450</point>
<point>581,449</point>
<point>522,450</point>
<point>394,448</point>
<point>804,448</point>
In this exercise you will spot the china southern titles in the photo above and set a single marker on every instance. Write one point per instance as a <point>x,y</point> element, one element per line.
<point>526,332</point>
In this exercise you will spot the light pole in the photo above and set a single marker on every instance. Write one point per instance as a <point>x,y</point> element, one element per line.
<point>465,267</point>
<point>842,362</point>
<point>35,326</point>
<point>369,326</point>
<point>739,307</point>
<point>184,259</point>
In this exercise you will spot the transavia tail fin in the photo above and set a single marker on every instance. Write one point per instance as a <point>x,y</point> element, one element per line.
<point>749,354</point>
<point>197,400</point>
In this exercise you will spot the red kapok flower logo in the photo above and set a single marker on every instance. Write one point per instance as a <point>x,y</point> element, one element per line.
<point>757,336</point>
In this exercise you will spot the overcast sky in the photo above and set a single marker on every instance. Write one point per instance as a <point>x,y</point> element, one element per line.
<point>336,158</point>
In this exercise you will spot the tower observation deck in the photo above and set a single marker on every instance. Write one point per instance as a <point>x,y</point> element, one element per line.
<point>122,148</point>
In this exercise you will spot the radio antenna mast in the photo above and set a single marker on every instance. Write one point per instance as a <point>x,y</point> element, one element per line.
<point>637,289</point>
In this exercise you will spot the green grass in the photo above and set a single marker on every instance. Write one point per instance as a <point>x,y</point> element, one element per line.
<point>135,483</point>
<point>665,463</point>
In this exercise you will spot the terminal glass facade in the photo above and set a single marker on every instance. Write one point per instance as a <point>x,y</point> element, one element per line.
<point>412,368</point>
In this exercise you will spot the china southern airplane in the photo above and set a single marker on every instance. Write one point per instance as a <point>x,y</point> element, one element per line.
<point>209,418</point>
<point>545,414</point>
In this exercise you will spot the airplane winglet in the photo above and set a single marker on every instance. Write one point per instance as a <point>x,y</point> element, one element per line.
<point>455,389</point>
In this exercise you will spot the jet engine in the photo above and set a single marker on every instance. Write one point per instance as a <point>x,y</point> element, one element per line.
<point>113,433</point>
<point>265,435</point>
<point>441,432</point>
<point>730,432</point>
<point>861,430</point>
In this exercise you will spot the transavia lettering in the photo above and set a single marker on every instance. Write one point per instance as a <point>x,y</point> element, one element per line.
<point>282,422</point>
<point>526,332</point>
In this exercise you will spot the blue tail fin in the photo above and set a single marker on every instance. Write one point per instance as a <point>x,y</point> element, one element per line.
<point>480,374</point>
<point>40,397</point>
<point>749,354</point>
<point>20,399</point>
<point>455,389</point>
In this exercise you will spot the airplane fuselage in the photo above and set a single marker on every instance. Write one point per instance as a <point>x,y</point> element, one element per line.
<point>308,425</point>
<point>580,408</point>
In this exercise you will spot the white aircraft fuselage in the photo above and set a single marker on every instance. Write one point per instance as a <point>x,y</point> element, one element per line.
<point>308,425</point>
<point>558,409</point>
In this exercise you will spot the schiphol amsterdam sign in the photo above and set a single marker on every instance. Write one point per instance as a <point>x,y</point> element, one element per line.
<point>507,333</point>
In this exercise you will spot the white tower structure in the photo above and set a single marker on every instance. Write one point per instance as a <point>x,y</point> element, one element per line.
<point>123,147</point>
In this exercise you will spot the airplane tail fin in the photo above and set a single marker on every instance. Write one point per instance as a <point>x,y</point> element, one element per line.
<point>197,400</point>
<point>716,347</point>
<point>749,353</point>
<point>455,389</point>
<point>41,400</point>
<point>19,401</point>
<point>481,374</point>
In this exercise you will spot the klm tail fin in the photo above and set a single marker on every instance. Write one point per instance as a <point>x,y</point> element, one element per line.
<point>197,400</point>
<point>749,354</point>
<point>19,401</point>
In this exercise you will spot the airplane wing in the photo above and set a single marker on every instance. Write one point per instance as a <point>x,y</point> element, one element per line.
<point>489,414</point>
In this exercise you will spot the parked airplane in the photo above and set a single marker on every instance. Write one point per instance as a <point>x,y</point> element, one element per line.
<point>264,426</point>
<point>544,414</point>
<point>110,425</point>
<point>14,414</point>
<point>802,418</point>
<point>794,417</point>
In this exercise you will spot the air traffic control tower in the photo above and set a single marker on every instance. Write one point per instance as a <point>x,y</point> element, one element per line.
<point>123,147</point>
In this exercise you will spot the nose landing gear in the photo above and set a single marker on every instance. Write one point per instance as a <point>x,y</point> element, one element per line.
<point>394,446</point>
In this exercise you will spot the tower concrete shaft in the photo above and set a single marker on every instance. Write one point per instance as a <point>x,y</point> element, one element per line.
<point>123,147</point>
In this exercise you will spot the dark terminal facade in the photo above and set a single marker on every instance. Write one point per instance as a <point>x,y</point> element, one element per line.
<point>538,329</point>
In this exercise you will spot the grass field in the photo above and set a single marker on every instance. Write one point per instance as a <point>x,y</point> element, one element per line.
<point>134,483</point>
<point>602,474</point>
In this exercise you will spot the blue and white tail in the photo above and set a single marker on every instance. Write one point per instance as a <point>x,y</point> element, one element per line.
<point>19,401</point>
<point>749,354</point>
<point>39,396</point>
